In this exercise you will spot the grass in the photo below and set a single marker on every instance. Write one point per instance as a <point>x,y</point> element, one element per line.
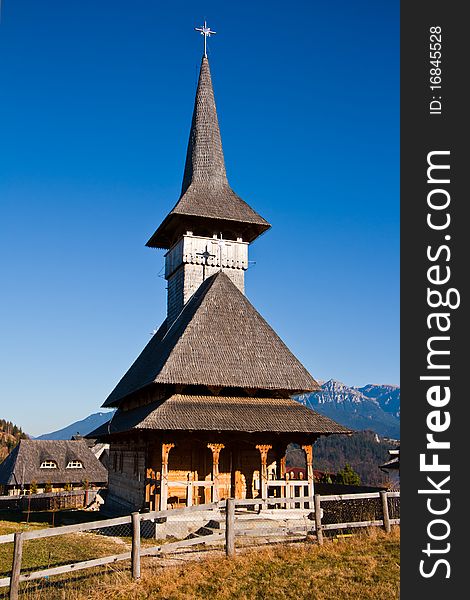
<point>49,552</point>
<point>365,566</point>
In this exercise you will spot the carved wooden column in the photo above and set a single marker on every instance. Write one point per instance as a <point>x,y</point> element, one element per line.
<point>164,476</point>
<point>215,448</point>
<point>264,449</point>
<point>308,449</point>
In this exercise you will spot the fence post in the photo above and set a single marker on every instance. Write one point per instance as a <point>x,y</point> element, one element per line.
<point>318,526</point>
<point>230,528</point>
<point>135,552</point>
<point>286,490</point>
<point>16,566</point>
<point>386,518</point>
<point>189,491</point>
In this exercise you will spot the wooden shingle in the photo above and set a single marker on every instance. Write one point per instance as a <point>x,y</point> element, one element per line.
<point>206,199</point>
<point>222,413</point>
<point>219,339</point>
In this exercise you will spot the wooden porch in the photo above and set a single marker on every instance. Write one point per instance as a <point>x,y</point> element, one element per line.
<point>191,476</point>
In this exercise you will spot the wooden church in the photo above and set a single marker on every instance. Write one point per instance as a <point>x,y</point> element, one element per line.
<point>206,410</point>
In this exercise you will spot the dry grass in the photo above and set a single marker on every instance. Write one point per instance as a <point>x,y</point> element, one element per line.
<point>364,566</point>
<point>12,526</point>
<point>53,551</point>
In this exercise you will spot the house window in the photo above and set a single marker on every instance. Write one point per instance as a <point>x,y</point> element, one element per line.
<point>74,464</point>
<point>48,464</point>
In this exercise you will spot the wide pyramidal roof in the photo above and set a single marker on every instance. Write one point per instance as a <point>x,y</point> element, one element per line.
<point>221,413</point>
<point>219,340</point>
<point>207,201</point>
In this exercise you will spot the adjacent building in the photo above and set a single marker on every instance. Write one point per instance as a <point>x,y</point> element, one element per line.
<point>39,466</point>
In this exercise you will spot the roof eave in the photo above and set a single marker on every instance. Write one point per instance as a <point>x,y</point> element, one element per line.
<point>163,238</point>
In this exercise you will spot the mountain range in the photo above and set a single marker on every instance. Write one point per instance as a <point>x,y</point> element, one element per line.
<point>372,407</point>
<point>82,427</point>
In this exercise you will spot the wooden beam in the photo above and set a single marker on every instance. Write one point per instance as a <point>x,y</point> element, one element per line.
<point>271,531</point>
<point>270,501</point>
<point>53,531</point>
<point>386,517</point>
<point>135,552</point>
<point>352,524</point>
<point>263,450</point>
<point>230,528</point>
<point>350,496</point>
<point>166,447</point>
<point>308,449</point>
<point>189,491</point>
<point>318,525</point>
<point>86,564</point>
<point>171,546</point>
<point>215,449</point>
<point>16,566</point>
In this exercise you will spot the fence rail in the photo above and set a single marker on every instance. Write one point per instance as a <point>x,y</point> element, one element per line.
<point>376,505</point>
<point>49,500</point>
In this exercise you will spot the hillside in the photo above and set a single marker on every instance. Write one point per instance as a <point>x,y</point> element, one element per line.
<point>364,451</point>
<point>372,407</point>
<point>10,435</point>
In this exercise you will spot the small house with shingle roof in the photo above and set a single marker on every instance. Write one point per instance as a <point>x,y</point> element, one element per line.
<point>52,465</point>
<point>207,406</point>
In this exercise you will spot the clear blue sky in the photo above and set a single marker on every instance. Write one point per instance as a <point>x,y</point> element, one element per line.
<point>95,103</point>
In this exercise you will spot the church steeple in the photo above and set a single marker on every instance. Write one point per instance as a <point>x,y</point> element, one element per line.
<point>205,163</point>
<point>214,376</point>
<point>207,204</point>
<point>210,227</point>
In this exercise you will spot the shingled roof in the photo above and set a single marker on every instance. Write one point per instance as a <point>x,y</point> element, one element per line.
<point>23,464</point>
<point>207,199</point>
<point>219,339</point>
<point>222,413</point>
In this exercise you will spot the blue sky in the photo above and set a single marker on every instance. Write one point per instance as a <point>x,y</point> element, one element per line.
<point>96,101</point>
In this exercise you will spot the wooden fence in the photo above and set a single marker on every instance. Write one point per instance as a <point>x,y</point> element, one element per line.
<point>233,529</point>
<point>288,488</point>
<point>49,500</point>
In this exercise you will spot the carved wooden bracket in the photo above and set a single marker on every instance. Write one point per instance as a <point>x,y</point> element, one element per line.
<point>215,448</point>
<point>264,449</point>
<point>165,452</point>
<point>308,454</point>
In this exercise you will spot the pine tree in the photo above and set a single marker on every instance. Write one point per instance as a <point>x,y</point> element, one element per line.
<point>348,476</point>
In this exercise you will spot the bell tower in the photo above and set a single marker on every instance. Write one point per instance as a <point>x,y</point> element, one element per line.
<point>210,227</point>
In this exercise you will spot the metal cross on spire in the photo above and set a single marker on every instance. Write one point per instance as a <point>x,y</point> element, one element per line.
<point>206,32</point>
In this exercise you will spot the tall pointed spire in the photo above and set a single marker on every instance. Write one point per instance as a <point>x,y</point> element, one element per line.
<point>204,158</point>
<point>207,204</point>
